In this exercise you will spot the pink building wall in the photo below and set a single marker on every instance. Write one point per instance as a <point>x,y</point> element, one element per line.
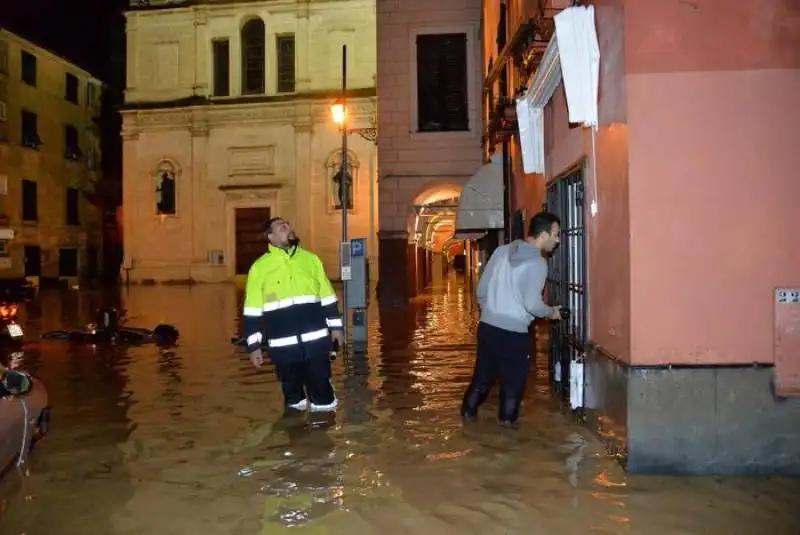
<point>608,240</point>
<point>713,107</point>
<point>696,186</point>
<point>413,163</point>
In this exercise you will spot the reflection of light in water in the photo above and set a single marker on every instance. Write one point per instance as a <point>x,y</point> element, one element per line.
<point>603,480</point>
<point>410,471</point>
<point>16,359</point>
<point>608,497</point>
<point>448,455</point>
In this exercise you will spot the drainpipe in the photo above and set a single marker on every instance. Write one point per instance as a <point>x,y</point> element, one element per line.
<point>372,241</point>
<point>506,194</point>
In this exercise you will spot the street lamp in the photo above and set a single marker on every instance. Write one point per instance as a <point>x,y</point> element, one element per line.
<point>339,117</point>
<point>339,113</point>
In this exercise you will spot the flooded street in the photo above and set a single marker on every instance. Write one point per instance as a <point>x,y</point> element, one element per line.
<point>193,441</point>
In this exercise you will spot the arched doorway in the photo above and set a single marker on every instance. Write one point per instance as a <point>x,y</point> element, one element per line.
<point>408,255</point>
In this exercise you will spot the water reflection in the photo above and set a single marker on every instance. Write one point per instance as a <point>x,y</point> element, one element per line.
<point>194,440</point>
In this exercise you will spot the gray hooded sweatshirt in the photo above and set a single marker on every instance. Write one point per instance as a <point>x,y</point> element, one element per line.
<point>510,289</point>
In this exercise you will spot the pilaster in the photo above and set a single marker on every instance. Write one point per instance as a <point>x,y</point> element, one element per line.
<point>202,52</point>
<point>199,132</point>
<point>303,43</point>
<point>304,216</point>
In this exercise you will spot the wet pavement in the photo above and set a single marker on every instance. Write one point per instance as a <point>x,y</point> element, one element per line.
<point>191,441</point>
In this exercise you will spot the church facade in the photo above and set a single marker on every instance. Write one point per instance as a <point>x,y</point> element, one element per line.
<point>227,122</point>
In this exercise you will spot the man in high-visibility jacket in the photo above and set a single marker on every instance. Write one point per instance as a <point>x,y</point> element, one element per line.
<point>287,288</point>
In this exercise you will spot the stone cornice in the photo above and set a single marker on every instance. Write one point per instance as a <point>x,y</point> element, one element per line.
<point>301,7</point>
<point>199,119</point>
<point>130,134</point>
<point>308,97</point>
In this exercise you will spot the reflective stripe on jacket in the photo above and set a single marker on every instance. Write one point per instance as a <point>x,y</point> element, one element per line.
<point>290,292</point>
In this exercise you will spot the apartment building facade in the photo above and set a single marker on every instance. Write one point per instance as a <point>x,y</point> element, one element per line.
<point>49,164</point>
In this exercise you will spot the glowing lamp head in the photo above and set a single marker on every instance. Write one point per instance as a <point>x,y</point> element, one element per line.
<point>338,113</point>
<point>8,311</point>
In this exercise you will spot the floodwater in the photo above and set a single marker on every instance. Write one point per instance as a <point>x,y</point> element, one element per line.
<point>192,442</point>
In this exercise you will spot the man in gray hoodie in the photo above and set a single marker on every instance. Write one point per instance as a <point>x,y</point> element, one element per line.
<point>510,298</point>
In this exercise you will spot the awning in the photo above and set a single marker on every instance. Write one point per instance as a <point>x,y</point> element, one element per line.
<point>480,206</point>
<point>469,235</point>
<point>572,56</point>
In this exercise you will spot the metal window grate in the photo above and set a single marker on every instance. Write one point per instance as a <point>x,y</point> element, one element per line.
<point>566,284</point>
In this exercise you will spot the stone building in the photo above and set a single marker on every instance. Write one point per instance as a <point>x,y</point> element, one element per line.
<point>430,123</point>
<point>227,122</point>
<point>49,164</point>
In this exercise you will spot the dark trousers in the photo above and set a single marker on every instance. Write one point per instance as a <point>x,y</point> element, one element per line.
<point>504,356</point>
<point>305,372</point>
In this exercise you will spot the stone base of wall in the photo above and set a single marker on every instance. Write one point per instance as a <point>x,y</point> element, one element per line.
<point>174,274</point>
<point>692,420</point>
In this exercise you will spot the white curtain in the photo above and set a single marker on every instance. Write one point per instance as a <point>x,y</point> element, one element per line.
<point>531,126</point>
<point>573,56</point>
<point>580,62</point>
<point>530,109</point>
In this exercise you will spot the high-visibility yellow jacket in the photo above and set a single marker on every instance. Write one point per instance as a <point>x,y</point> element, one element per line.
<point>288,291</point>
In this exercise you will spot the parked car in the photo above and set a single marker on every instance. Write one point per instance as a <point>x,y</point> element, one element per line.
<point>24,415</point>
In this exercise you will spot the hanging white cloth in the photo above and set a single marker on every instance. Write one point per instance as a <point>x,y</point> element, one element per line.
<point>579,54</point>
<point>530,109</point>
<point>572,55</point>
<point>531,141</point>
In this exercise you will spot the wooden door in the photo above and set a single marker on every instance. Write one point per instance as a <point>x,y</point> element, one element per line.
<point>250,240</point>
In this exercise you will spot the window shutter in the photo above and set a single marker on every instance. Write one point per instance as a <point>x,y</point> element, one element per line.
<point>454,82</point>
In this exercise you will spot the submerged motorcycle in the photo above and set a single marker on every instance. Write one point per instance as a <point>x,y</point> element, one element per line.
<point>107,329</point>
<point>11,332</point>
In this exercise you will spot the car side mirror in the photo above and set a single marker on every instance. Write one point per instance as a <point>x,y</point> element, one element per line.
<point>15,383</point>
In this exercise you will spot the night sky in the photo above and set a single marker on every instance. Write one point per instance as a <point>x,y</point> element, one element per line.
<point>89,33</point>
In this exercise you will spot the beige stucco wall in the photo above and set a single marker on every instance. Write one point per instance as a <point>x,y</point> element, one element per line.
<point>169,50</point>
<point>277,151</point>
<point>46,165</point>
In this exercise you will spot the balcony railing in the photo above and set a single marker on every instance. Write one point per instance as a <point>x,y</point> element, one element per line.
<point>502,121</point>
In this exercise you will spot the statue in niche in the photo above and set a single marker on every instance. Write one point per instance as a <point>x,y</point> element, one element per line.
<point>165,193</point>
<point>337,180</point>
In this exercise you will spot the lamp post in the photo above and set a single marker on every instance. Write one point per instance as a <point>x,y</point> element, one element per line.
<point>339,115</point>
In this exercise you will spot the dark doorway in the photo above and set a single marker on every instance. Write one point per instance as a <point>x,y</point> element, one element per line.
<point>33,261</point>
<point>566,285</point>
<point>92,263</point>
<point>68,262</point>
<point>460,263</point>
<point>250,240</point>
